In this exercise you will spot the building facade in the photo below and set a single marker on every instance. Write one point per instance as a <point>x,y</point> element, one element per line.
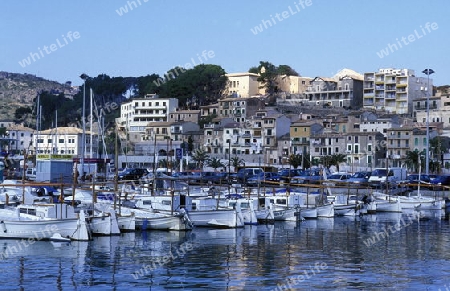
<point>393,90</point>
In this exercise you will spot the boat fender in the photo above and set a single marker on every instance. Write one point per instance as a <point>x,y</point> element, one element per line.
<point>3,226</point>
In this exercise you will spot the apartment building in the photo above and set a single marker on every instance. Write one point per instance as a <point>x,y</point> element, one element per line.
<point>65,141</point>
<point>300,135</point>
<point>184,115</point>
<point>439,110</point>
<point>240,109</point>
<point>364,150</point>
<point>242,85</point>
<point>208,110</point>
<point>293,84</point>
<point>344,91</point>
<point>20,139</point>
<point>393,90</point>
<point>400,140</point>
<point>174,131</point>
<point>138,112</point>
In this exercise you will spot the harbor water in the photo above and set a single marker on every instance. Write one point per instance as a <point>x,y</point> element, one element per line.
<point>392,251</point>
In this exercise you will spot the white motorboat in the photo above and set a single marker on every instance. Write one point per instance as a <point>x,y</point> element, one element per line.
<point>388,206</point>
<point>43,221</point>
<point>326,210</point>
<point>309,213</point>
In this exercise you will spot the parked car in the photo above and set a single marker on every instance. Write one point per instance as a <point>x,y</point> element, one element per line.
<point>441,182</point>
<point>311,176</point>
<point>360,178</point>
<point>132,174</point>
<point>287,174</point>
<point>243,174</point>
<point>263,178</point>
<point>30,174</point>
<point>337,179</point>
<point>414,181</point>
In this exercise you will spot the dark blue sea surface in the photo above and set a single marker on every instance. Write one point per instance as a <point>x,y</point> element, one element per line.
<point>374,252</point>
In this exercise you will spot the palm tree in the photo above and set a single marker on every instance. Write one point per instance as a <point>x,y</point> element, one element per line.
<point>236,162</point>
<point>413,158</point>
<point>200,156</point>
<point>215,163</point>
<point>336,159</point>
<point>295,160</point>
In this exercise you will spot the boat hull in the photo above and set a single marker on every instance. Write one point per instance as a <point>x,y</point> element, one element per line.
<point>43,229</point>
<point>162,223</point>
<point>325,210</point>
<point>217,218</point>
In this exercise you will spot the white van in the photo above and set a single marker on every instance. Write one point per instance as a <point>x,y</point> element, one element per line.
<point>30,174</point>
<point>391,175</point>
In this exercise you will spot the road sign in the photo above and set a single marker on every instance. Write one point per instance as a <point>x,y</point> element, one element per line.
<point>179,153</point>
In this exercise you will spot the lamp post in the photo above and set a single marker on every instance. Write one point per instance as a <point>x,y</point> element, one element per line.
<point>428,72</point>
<point>83,122</point>
<point>229,158</point>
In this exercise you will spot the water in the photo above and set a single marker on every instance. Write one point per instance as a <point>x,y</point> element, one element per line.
<point>323,254</point>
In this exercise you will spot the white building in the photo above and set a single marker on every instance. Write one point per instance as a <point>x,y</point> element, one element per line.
<point>242,85</point>
<point>136,114</point>
<point>21,139</point>
<point>394,90</point>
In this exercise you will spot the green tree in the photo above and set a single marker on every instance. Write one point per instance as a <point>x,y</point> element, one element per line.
<point>204,84</point>
<point>286,70</point>
<point>236,162</point>
<point>337,159</point>
<point>215,163</point>
<point>200,156</point>
<point>295,160</point>
<point>413,158</point>
<point>22,113</point>
<point>268,74</point>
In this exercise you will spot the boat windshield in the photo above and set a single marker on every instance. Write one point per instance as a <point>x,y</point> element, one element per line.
<point>379,172</point>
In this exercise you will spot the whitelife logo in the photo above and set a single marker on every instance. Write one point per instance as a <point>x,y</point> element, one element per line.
<point>46,50</point>
<point>265,24</point>
<point>404,41</point>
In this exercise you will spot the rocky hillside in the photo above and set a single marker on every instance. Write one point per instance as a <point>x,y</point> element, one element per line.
<point>19,90</point>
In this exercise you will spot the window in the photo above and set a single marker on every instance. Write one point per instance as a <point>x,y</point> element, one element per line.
<point>424,141</point>
<point>416,141</point>
<point>49,140</point>
<point>61,140</point>
<point>295,129</point>
<point>369,147</point>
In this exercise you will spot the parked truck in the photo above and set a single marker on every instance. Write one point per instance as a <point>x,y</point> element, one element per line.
<point>392,176</point>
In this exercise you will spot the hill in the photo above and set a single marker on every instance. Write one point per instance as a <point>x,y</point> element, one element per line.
<point>19,90</point>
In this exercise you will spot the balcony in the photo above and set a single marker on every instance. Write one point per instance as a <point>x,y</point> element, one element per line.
<point>424,107</point>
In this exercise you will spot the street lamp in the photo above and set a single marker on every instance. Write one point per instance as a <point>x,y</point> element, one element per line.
<point>428,72</point>
<point>83,121</point>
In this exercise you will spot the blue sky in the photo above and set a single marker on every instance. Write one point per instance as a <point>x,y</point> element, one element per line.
<point>155,35</point>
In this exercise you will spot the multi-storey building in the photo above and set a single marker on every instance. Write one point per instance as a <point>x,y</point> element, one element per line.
<point>372,122</point>
<point>393,90</point>
<point>185,115</point>
<point>300,135</point>
<point>364,150</point>
<point>400,140</point>
<point>439,110</point>
<point>293,84</point>
<point>240,109</point>
<point>138,112</point>
<point>242,85</point>
<point>208,110</point>
<point>344,91</point>
<point>20,139</point>
<point>327,144</point>
<point>65,141</point>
